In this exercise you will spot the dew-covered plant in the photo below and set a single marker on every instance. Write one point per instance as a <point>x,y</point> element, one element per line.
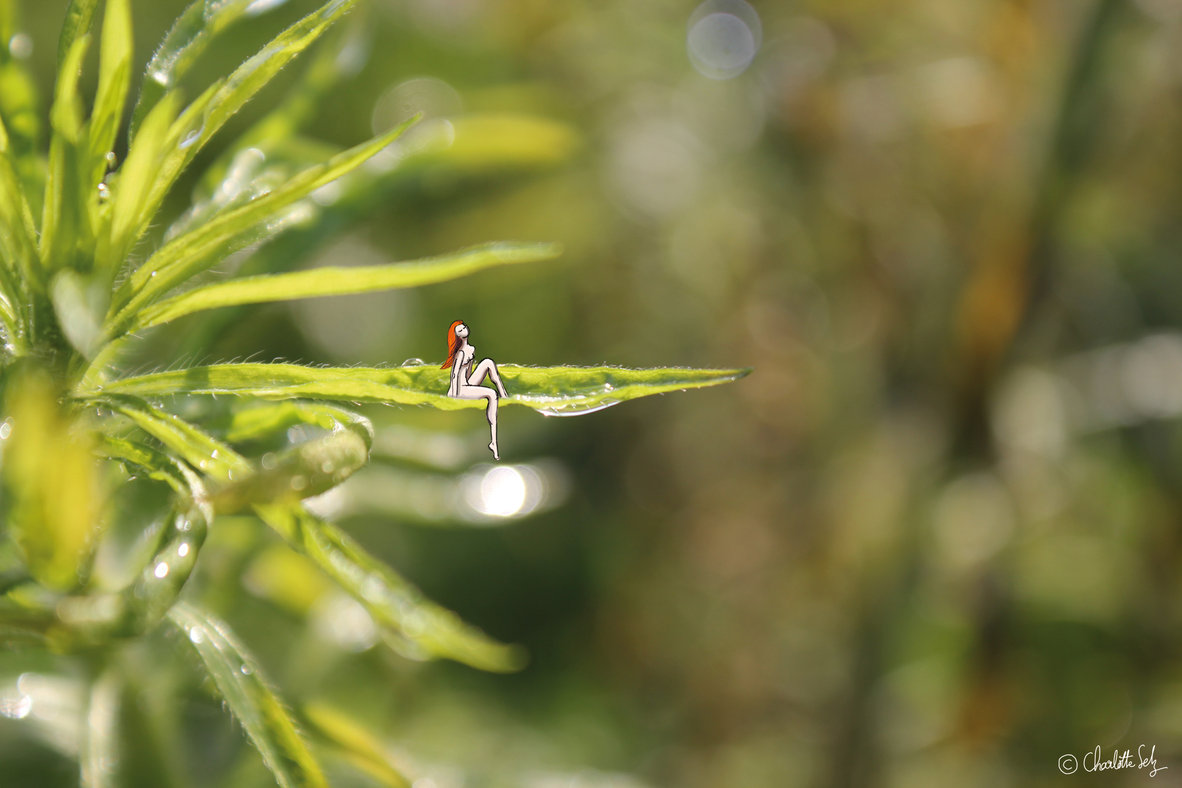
<point>110,481</point>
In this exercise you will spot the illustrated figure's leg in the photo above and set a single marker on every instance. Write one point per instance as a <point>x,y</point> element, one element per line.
<point>487,367</point>
<point>480,392</point>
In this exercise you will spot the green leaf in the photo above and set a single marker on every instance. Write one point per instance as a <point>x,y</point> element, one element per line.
<point>390,599</point>
<point>212,457</point>
<point>554,391</point>
<point>250,698</point>
<point>114,81</point>
<point>476,143</point>
<point>129,192</point>
<point>174,555</point>
<point>260,420</point>
<point>18,250</point>
<point>194,251</point>
<point>358,745</point>
<point>76,24</point>
<point>62,221</point>
<point>329,281</point>
<point>305,469</point>
<point>190,35</point>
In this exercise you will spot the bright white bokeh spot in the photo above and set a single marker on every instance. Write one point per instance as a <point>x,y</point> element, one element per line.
<point>429,95</point>
<point>161,570</point>
<point>342,620</point>
<point>723,38</point>
<point>502,492</point>
<point>656,165</point>
<point>1029,413</point>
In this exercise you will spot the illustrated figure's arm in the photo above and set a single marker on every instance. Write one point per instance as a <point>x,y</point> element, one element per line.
<point>457,371</point>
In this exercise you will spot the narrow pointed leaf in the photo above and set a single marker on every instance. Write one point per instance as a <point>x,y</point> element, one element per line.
<point>18,250</point>
<point>276,131</point>
<point>114,80</point>
<point>192,252</point>
<point>250,698</point>
<point>549,390</point>
<point>330,281</point>
<point>389,598</point>
<point>360,746</point>
<point>61,216</point>
<point>129,192</point>
<point>191,34</point>
<point>76,24</point>
<point>153,164</point>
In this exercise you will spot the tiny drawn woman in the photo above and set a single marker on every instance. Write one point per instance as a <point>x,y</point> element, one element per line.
<point>466,376</point>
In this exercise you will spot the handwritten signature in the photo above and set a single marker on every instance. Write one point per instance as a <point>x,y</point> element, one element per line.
<point>1095,761</point>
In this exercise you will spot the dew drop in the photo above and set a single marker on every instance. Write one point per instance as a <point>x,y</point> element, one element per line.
<point>182,549</point>
<point>20,46</point>
<point>261,6</point>
<point>15,706</point>
<point>161,77</point>
<point>111,159</point>
<point>161,570</point>
<point>414,362</point>
<point>5,429</point>
<point>190,138</point>
<point>104,192</point>
<point>246,669</point>
<point>196,634</point>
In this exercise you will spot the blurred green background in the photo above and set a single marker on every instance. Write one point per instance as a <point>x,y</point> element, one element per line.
<point>933,539</point>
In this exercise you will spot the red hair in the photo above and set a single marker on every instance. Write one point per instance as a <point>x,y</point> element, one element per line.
<point>453,344</point>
